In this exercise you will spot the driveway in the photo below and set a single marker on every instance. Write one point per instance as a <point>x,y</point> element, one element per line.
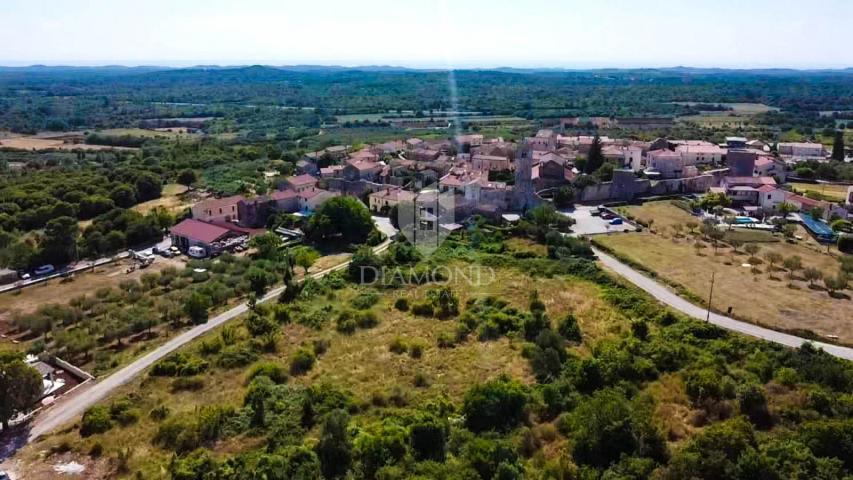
<point>71,407</point>
<point>667,296</point>
<point>588,224</point>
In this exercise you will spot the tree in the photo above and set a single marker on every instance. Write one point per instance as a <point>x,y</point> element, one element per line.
<point>794,264</point>
<point>564,196</point>
<point>259,279</point>
<point>124,196</point>
<point>365,266</point>
<point>595,158</point>
<point>835,283</point>
<point>187,177</point>
<point>21,385</point>
<point>148,187</point>
<point>305,257</point>
<point>335,447</point>
<point>838,146</point>
<point>342,218</point>
<point>196,306</point>
<point>812,275</point>
<point>495,405</point>
<point>268,245</point>
<point>59,242</point>
<point>772,258</point>
<point>785,208</point>
<point>751,249</point>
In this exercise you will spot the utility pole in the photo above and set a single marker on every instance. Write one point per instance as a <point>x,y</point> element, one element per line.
<point>710,295</point>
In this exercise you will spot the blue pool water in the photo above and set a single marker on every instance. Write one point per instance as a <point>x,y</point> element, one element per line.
<point>743,220</point>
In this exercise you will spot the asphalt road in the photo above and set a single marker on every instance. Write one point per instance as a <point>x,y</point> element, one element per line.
<point>667,296</point>
<point>69,408</point>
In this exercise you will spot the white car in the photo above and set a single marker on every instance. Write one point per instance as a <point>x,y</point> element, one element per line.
<point>196,252</point>
<point>43,270</point>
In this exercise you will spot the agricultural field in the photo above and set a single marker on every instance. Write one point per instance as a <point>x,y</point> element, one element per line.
<point>835,193</point>
<point>740,115</point>
<point>171,199</point>
<point>768,296</point>
<point>39,144</point>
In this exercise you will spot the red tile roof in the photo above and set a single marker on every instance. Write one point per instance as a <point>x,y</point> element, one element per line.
<point>282,194</point>
<point>198,230</point>
<point>300,180</point>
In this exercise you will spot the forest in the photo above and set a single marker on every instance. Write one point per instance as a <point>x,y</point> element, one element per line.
<point>34,99</point>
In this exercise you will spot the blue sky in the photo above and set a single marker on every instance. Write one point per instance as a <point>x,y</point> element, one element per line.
<point>434,33</point>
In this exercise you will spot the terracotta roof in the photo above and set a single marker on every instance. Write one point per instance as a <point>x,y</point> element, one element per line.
<point>282,194</point>
<point>300,180</point>
<point>198,230</point>
<point>766,188</point>
<point>217,203</point>
<point>753,181</point>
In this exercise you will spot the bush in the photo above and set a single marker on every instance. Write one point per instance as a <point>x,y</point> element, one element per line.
<point>96,420</point>
<point>569,329</point>
<point>445,340</point>
<point>302,361</point>
<point>423,308</point>
<point>398,346</point>
<point>495,405</point>
<point>402,304</point>
<point>271,370</point>
<point>416,350</point>
<point>420,380</point>
<point>787,376</point>
<point>192,384</point>
<point>178,365</point>
<point>364,300</point>
<point>236,356</point>
<point>366,319</point>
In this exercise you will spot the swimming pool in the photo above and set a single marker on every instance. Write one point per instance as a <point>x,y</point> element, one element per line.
<point>742,220</point>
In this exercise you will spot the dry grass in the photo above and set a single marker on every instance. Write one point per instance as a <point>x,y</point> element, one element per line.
<point>360,362</point>
<point>169,199</point>
<point>34,143</point>
<point>62,290</point>
<point>664,214</point>
<point>763,298</point>
<point>834,192</point>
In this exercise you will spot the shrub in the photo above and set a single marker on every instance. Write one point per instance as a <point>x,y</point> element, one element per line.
<point>271,370</point>
<point>422,308</point>
<point>192,384</point>
<point>178,365</point>
<point>236,356</point>
<point>569,329</point>
<point>420,380</point>
<point>495,405</point>
<point>366,319</point>
<point>364,300</point>
<point>159,413</point>
<point>402,304</point>
<point>416,350</point>
<point>302,361</point>
<point>445,340</point>
<point>96,420</point>
<point>97,450</point>
<point>787,376</point>
<point>398,346</point>
<point>320,346</point>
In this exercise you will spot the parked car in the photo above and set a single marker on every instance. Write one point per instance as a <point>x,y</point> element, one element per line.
<point>616,221</point>
<point>595,211</point>
<point>196,252</point>
<point>607,216</point>
<point>44,270</point>
<point>4,475</point>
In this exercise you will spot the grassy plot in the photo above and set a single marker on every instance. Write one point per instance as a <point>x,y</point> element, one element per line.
<point>836,193</point>
<point>361,362</point>
<point>761,296</point>
<point>169,199</point>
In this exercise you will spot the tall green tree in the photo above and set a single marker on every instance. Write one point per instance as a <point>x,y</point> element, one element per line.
<point>342,218</point>
<point>838,146</point>
<point>335,446</point>
<point>595,158</point>
<point>20,385</point>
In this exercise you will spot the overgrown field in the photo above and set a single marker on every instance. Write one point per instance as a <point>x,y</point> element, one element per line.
<point>547,368</point>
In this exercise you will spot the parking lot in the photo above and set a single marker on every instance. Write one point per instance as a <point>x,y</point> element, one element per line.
<point>588,224</point>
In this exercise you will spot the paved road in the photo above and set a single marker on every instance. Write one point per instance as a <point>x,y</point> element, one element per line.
<point>668,297</point>
<point>67,409</point>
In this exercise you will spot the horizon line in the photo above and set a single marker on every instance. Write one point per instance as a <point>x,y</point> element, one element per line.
<point>189,65</point>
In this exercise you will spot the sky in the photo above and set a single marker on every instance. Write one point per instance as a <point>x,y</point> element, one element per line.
<point>430,33</point>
